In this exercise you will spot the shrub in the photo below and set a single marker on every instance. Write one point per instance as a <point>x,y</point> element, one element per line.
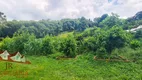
<point>68,47</point>
<point>128,53</point>
<point>47,46</point>
<point>134,44</point>
<point>7,44</point>
<point>33,47</point>
<point>19,40</point>
<point>16,43</point>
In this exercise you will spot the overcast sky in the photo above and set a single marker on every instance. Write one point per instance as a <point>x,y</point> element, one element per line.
<point>58,9</point>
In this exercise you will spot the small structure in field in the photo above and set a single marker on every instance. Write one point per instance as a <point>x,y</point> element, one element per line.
<point>15,57</point>
<point>23,59</point>
<point>4,55</point>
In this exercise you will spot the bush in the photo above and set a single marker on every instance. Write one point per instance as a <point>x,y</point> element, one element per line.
<point>17,43</point>
<point>19,40</point>
<point>135,44</point>
<point>7,44</point>
<point>101,53</point>
<point>33,47</point>
<point>129,53</point>
<point>69,47</point>
<point>47,46</point>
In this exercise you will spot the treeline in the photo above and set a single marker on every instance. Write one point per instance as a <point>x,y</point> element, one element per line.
<point>44,27</point>
<point>55,27</point>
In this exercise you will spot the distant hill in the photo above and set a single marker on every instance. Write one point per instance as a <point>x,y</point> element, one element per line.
<point>137,16</point>
<point>42,28</point>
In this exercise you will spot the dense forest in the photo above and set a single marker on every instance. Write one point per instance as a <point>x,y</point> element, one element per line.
<point>105,36</point>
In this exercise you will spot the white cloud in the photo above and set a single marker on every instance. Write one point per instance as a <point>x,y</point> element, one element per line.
<point>58,9</point>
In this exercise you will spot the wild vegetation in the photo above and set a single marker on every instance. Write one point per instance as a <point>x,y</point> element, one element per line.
<point>103,39</point>
<point>70,36</point>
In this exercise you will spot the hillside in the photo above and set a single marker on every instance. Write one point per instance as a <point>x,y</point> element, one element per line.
<point>74,49</point>
<point>42,28</point>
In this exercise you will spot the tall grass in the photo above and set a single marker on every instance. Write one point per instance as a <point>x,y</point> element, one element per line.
<point>81,68</point>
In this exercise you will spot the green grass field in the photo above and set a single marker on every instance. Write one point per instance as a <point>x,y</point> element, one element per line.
<point>83,68</point>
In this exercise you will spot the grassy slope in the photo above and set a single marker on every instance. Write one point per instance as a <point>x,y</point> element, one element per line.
<point>43,68</point>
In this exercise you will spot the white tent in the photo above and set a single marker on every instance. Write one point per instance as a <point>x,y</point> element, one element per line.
<point>4,55</point>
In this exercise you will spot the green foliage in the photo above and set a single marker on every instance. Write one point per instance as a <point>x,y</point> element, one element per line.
<point>138,34</point>
<point>70,36</point>
<point>134,55</point>
<point>33,46</point>
<point>90,43</point>
<point>47,46</point>
<point>77,38</point>
<point>117,38</point>
<point>104,41</point>
<point>82,68</point>
<point>44,27</point>
<point>135,44</point>
<point>110,21</point>
<point>7,44</point>
<point>19,40</point>
<point>55,27</point>
<point>101,53</point>
<point>68,46</point>
<point>16,43</point>
<point>56,55</point>
<point>87,56</point>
